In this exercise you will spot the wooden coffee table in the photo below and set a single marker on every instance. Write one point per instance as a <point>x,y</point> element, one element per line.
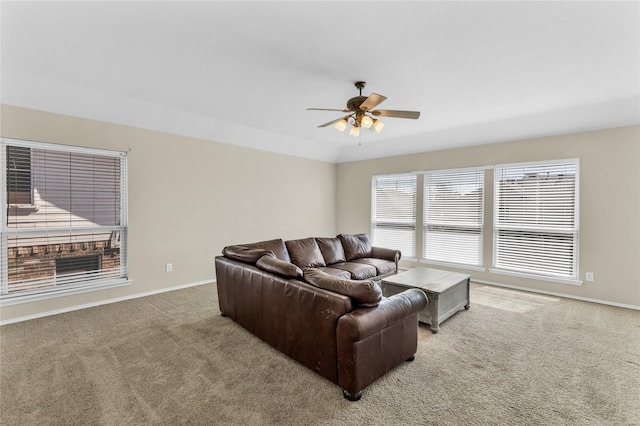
<point>447,292</point>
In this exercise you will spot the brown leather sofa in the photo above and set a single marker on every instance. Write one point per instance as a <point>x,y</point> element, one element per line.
<point>317,301</point>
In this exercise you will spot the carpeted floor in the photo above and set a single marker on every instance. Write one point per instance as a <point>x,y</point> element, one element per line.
<point>514,358</point>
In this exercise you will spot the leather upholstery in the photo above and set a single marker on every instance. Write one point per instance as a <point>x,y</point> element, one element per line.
<point>358,271</point>
<point>294,317</point>
<point>382,266</point>
<point>276,246</point>
<point>336,272</point>
<point>305,253</point>
<point>280,267</point>
<point>356,246</point>
<point>245,254</point>
<point>367,349</point>
<point>332,250</point>
<point>362,292</point>
<point>323,330</point>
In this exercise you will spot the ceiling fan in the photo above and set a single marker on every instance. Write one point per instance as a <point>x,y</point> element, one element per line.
<point>362,113</point>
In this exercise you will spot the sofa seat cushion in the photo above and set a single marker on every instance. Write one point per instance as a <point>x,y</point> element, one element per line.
<point>332,250</point>
<point>305,253</point>
<point>340,273</point>
<point>382,266</point>
<point>358,271</point>
<point>356,246</point>
<point>362,292</point>
<point>277,247</point>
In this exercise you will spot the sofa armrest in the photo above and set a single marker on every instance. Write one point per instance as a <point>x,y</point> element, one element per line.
<point>362,323</point>
<point>372,341</point>
<point>387,254</point>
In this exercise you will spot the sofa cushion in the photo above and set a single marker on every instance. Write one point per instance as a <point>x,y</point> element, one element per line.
<point>340,273</point>
<point>356,246</point>
<point>276,246</point>
<point>362,292</point>
<point>332,250</point>
<point>381,265</point>
<point>358,271</point>
<point>280,267</point>
<point>305,253</point>
<point>245,254</point>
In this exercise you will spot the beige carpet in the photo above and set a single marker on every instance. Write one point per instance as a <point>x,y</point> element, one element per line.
<point>513,359</point>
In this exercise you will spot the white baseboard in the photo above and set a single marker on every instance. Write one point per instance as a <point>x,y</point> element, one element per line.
<point>551,293</point>
<point>102,302</point>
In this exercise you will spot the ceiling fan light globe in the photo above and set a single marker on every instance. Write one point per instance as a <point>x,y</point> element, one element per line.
<point>341,125</point>
<point>355,131</point>
<point>366,122</point>
<point>378,125</point>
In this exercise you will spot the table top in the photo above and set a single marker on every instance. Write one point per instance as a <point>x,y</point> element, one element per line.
<point>429,279</point>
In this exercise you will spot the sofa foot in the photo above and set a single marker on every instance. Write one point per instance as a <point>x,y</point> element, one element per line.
<point>411,358</point>
<point>350,397</point>
<point>223,314</point>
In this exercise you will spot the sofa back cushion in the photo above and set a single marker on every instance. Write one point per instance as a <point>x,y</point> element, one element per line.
<point>305,253</point>
<point>364,293</point>
<point>356,246</point>
<point>331,249</point>
<point>245,254</point>
<point>280,267</point>
<point>277,247</point>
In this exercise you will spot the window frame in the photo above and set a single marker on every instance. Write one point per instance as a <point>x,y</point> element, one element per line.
<point>119,278</point>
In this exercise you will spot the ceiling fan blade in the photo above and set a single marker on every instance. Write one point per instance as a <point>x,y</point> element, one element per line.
<point>325,109</point>
<point>372,101</point>
<point>394,113</point>
<point>333,122</point>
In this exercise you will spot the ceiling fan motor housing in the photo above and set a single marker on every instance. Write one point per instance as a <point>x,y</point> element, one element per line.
<point>353,104</point>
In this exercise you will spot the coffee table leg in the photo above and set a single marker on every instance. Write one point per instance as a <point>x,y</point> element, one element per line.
<point>435,324</point>
<point>468,294</point>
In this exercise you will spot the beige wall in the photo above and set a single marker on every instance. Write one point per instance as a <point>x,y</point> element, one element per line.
<point>188,198</point>
<point>609,203</point>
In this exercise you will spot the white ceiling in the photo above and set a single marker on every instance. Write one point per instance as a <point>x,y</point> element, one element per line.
<point>244,72</point>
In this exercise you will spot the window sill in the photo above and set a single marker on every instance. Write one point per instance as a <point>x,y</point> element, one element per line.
<point>23,208</point>
<point>453,265</point>
<point>35,297</point>
<point>559,280</point>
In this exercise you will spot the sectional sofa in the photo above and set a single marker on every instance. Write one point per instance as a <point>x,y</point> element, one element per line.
<point>317,300</point>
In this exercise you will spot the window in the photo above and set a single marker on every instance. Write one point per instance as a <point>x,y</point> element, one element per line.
<point>18,175</point>
<point>393,212</point>
<point>72,237</point>
<point>536,219</point>
<point>453,216</point>
<point>79,264</point>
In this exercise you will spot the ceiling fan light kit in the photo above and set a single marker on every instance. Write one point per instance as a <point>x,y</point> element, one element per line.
<point>362,113</point>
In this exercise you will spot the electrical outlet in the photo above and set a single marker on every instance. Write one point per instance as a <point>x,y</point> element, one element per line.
<point>169,267</point>
<point>589,276</point>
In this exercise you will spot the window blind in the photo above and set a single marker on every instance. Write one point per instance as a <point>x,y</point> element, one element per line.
<point>393,212</point>
<point>453,216</point>
<point>536,219</point>
<point>70,231</point>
